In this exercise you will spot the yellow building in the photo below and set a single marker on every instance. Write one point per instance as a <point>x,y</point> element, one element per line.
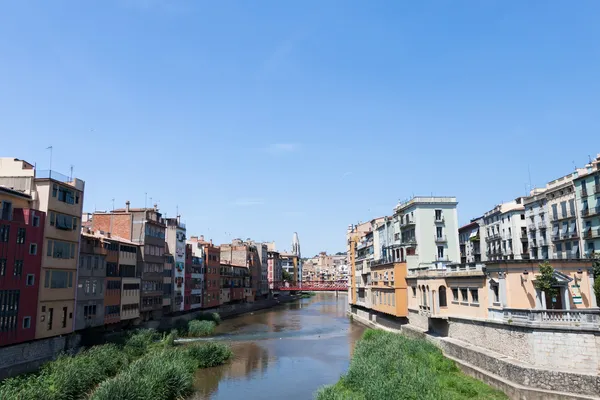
<point>388,289</point>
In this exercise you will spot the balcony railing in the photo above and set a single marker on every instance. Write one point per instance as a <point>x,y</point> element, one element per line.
<point>440,238</point>
<point>584,192</point>
<point>590,212</point>
<point>589,318</point>
<point>493,236</point>
<point>439,219</point>
<point>541,225</point>
<point>591,233</point>
<point>409,222</point>
<point>531,227</point>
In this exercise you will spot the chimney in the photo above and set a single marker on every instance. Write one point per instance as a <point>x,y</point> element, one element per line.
<point>211,242</point>
<point>155,207</point>
<point>108,234</point>
<point>127,206</point>
<point>179,220</point>
<point>202,238</point>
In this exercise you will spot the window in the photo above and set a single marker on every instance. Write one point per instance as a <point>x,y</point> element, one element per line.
<point>21,236</point>
<point>442,294</point>
<point>496,293</point>
<point>454,294</point>
<point>59,279</point>
<point>64,222</point>
<point>6,211</point>
<point>64,317</point>
<point>440,250</point>
<point>33,249</point>
<point>65,195</point>
<point>96,262</point>
<point>563,208</point>
<point>9,309</point>
<point>26,322</point>
<point>464,293</point>
<point>18,269</point>
<point>50,318</point>
<point>2,266</point>
<point>475,295</point>
<point>36,220</point>
<point>54,190</point>
<point>438,215</point>
<point>63,250</point>
<point>30,280</point>
<point>4,233</point>
<point>439,232</point>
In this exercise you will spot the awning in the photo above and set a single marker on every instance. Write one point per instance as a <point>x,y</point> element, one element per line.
<point>474,232</point>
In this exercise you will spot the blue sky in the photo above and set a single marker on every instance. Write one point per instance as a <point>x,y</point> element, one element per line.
<point>258,119</point>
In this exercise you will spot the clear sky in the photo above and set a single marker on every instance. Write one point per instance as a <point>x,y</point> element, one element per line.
<point>261,118</point>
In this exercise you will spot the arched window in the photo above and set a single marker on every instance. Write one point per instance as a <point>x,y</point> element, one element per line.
<point>442,294</point>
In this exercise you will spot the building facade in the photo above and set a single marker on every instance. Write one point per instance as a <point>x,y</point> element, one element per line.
<point>275,270</point>
<point>587,191</point>
<point>506,232</point>
<point>426,232</point>
<point>470,237</point>
<point>91,278</point>
<point>61,198</point>
<point>21,242</point>
<point>175,242</point>
<point>146,228</point>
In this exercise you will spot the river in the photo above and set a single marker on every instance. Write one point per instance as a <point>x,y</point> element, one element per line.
<point>286,352</point>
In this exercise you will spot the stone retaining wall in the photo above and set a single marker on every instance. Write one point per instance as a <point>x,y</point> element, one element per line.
<point>28,357</point>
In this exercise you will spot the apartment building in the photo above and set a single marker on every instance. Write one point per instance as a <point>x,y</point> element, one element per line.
<point>244,254</point>
<point>587,189</point>
<point>197,277</point>
<point>262,262</point>
<point>91,275</point>
<point>212,276</point>
<point>355,234</point>
<point>175,241</point>
<point>129,255</point>
<point>506,231</point>
<point>146,228</point>
<point>560,196</point>
<point>425,232</point>
<point>61,198</point>
<point>538,225</point>
<point>168,282</point>
<point>21,241</point>
<point>470,237</point>
<point>274,269</point>
<point>236,284</point>
<point>113,281</point>
<point>187,280</point>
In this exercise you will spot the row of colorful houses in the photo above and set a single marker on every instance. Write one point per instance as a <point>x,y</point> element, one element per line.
<point>62,270</point>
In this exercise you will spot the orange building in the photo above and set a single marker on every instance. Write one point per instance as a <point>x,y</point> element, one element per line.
<point>388,289</point>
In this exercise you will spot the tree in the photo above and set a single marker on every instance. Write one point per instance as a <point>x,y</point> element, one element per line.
<point>287,276</point>
<point>546,281</point>
<point>596,269</point>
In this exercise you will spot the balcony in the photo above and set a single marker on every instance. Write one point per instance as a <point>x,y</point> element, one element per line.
<point>597,188</point>
<point>442,258</point>
<point>407,222</point>
<point>541,225</point>
<point>589,318</point>
<point>439,219</point>
<point>495,236</point>
<point>590,212</point>
<point>561,216</point>
<point>591,234</point>
<point>440,239</point>
<point>532,227</point>
<point>409,241</point>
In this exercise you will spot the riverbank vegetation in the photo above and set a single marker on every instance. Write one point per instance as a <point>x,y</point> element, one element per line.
<point>391,366</point>
<point>200,328</point>
<point>307,295</point>
<point>203,325</point>
<point>147,359</point>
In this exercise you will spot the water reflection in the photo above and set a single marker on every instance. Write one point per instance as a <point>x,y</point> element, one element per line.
<point>286,352</point>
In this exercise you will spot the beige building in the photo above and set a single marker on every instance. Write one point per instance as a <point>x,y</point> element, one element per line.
<point>506,232</point>
<point>61,198</point>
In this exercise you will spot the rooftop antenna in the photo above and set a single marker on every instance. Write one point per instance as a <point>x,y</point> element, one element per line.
<point>113,201</point>
<point>590,158</point>
<point>145,199</point>
<point>71,177</point>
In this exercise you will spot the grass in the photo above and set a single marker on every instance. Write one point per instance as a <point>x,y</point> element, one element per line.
<point>200,328</point>
<point>146,358</point>
<point>390,366</point>
<point>166,374</point>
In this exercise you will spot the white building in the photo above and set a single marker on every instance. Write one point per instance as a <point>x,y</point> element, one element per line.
<point>175,240</point>
<point>506,232</point>
<point>587,187</point>
<point>426,232</point>
<point>470,237</point>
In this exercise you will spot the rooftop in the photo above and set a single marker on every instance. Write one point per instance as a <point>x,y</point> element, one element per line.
<point>428,200</point>
<point>13,192</point>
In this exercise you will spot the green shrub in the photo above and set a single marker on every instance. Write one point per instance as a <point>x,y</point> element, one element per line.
<point>390,366</point>
<point>163,374</point>
<point>209,354</point>
<point>201,328</point>
<point>139,341</point>
<point>68,377</point>
<point>216,318</point>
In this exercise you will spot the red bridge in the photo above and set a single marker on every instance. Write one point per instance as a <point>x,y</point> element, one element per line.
<point>311,286</point>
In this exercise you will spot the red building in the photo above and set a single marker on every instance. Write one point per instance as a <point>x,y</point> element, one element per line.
<point>21,244</point>
<point>212,278</point>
